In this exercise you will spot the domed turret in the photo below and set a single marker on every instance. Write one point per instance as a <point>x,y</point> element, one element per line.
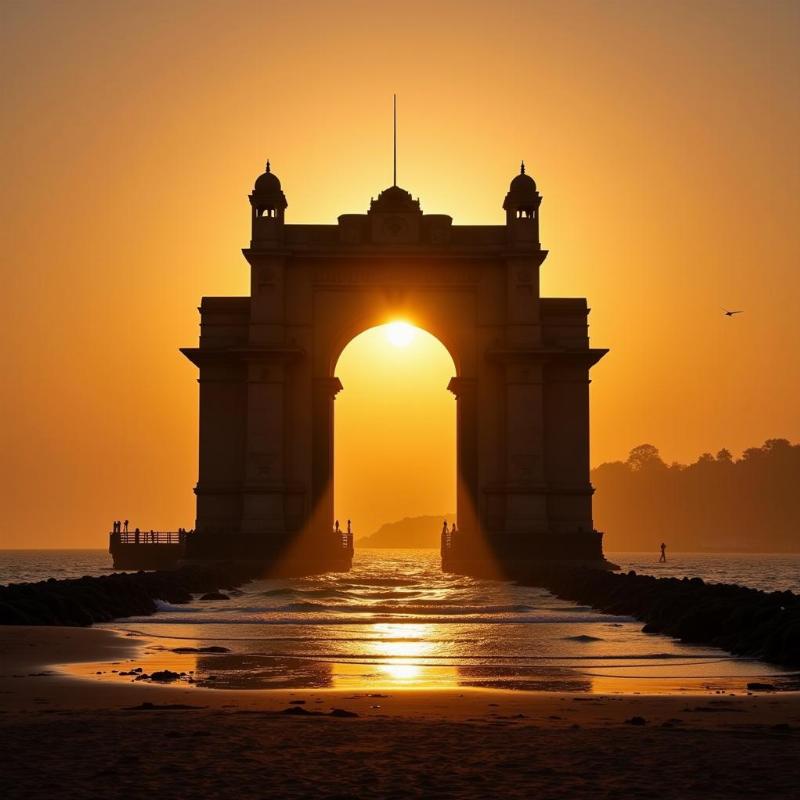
<point>267,183</point>
<point>523,184</point>
<point>522,203</point>
<point>268,203</point>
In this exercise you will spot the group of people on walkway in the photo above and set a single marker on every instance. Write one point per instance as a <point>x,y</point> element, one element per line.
<point>337,529</point>
<point>151,536</point>
<point>451,531</point>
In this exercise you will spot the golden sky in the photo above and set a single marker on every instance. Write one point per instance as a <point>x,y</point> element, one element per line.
<point>663,138</point>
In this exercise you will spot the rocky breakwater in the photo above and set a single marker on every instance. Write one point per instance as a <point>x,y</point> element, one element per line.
<point>83,601</point>
<point>743,621</point>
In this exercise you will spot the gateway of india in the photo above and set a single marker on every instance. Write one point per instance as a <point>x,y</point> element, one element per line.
<point>268,386</point>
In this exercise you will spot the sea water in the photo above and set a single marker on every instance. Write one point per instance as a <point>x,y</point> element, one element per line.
<point>397,621</point>
<point>767,571</point>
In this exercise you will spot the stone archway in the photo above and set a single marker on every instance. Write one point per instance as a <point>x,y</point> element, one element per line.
<point>267,383</point>
<point>395,431</point>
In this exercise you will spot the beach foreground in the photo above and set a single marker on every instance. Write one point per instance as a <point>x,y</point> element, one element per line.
<point>76,738</point>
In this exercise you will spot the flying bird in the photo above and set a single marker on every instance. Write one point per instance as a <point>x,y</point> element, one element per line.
<point>731,313</point>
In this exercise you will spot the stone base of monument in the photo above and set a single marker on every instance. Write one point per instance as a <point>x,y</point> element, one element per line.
<point>274,554</point>
<point>148,550</point>
<point>511,556</point>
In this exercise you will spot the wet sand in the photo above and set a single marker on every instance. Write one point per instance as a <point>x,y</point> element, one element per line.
<point>74,738</point>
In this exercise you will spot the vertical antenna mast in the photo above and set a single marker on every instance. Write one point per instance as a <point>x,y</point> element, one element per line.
<point>394,109</point>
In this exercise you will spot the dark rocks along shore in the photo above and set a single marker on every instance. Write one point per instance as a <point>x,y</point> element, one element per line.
<point>83,601</point>
<point>743,621</point>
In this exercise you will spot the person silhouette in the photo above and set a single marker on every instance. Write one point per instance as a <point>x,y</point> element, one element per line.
<point>349,529</point>
<point>453,529</point>
<point>444,527</point>
<point>126,526</point>
<point>336,526</point>
<point>663,558</point>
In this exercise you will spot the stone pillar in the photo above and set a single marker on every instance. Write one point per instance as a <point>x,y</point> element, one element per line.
<point>567,443</point>
<point>223,398</point>
<point>467,500</point>
<point>264,483</point>
<point>526,503</point>
<point>267,303</point>
<point>523,313</point>
<point>325,391</point>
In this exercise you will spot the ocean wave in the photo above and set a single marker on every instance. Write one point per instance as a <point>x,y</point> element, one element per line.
<point>267,618</point>
<point>428,607</point>
<point>322,593</point>
<point>163,605</point>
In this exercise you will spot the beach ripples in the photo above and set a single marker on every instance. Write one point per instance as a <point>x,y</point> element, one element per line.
<point>396,620</point>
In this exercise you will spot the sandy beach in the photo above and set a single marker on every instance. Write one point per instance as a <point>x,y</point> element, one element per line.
<point>76,737</point>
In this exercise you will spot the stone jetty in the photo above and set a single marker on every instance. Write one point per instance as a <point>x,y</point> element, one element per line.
<point>743,621</point>
<point>83,601</point>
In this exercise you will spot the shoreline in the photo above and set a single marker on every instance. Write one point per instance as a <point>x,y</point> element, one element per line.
<point>49,652</point>
<point>95,738</point>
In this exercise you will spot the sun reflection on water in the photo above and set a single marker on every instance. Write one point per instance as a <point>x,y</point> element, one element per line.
<point>397,655</point>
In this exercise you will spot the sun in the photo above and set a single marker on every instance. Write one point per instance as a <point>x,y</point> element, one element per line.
<point>400,334</point>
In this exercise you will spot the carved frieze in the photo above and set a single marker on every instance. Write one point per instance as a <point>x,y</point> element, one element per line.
<point>401,274</point>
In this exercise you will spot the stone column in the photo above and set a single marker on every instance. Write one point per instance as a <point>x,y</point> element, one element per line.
<point>264,455</point>
<point>223,399</point>
<point>526,505</point>
<point>467,500</point>
<point>325,391</point>
<point>265,484</point>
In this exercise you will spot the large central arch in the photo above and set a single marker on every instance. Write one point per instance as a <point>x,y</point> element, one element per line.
<point>394,429</point>
<point>267,381</point>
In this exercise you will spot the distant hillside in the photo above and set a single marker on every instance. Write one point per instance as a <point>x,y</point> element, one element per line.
<point>717,504</point>
<point>409,532</point>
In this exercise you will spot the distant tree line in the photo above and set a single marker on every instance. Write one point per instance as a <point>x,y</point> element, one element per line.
<point>750,504</point>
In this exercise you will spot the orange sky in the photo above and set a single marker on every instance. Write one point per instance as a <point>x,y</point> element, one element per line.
<point>663,137</point>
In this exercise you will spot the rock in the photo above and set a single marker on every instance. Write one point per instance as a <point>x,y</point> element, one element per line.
<point>342,712</point>
<point>762,687</point>
<point>215,596</point>
<point>636,721</point>
<point>165,676</point>
<point>297,711</point>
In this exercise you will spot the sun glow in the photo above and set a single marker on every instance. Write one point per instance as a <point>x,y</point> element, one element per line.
<point>400,334</point>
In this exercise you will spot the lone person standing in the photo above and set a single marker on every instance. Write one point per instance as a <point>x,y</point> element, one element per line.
<point>663,558</point>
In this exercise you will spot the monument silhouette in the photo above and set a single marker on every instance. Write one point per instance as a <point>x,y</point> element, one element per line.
<point>267,382</point>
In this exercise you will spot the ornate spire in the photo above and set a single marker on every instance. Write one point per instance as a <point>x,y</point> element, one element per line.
<point>268,166</point>
<point>521,168</point>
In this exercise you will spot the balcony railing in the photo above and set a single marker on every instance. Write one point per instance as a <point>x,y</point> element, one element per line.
<point>150,537</point>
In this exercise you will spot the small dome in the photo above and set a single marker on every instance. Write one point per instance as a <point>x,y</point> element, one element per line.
<point>523,183</point>
<point>395,200</point>
<point>267,183</point>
